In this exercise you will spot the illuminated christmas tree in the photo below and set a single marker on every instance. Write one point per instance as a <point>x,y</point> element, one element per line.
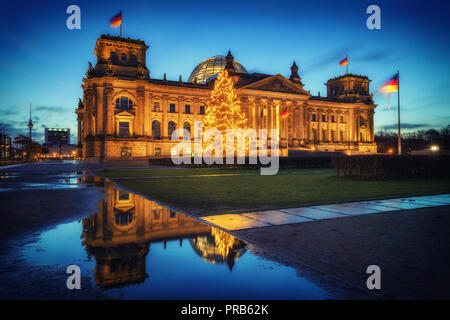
<point>224,109</point>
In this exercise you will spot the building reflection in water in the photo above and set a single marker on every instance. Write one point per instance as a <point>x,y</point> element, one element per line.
<point>118,236</point>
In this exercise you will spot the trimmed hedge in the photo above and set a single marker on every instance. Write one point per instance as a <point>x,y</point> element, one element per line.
<point>285,163</point>
<point>382,166</point>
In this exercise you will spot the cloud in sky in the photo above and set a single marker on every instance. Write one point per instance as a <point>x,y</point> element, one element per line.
<point>330,58</point>
<point>406,126</point>
<point>50,108</point>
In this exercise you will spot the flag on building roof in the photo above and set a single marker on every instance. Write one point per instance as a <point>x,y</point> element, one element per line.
<point>343,62</point>
<point>284,114</point>
<point>116,20</point>
<point>391,85</point>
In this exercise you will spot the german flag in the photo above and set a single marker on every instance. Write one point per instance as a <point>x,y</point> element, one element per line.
<point>284,114</point>
<point>343,62</point>
<point>391,85</point>
<point>116,20</point>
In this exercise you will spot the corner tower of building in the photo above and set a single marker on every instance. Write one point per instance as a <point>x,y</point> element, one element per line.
<point>349,87</point>
<point>121,57</point>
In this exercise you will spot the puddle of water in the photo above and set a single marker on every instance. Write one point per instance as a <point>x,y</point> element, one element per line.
<point>43,180</point>
<point>138,249</point>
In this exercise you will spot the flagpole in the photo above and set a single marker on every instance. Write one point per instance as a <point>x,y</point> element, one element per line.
<point>399,139</point>
<point>121,22</point>
<point>347,63</point>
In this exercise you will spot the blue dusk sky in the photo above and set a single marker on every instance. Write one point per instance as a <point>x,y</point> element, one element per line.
<point>43,62</point>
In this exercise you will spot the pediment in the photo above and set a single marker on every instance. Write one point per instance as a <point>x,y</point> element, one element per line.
<point>276,83</point>
<point>124,114</point>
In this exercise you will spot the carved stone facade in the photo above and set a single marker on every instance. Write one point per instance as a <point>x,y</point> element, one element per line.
<point>126,114</point>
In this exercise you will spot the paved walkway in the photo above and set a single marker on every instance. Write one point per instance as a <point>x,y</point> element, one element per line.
<point>308,214</point>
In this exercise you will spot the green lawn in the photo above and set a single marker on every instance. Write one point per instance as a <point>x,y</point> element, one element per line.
<point>188,172</point>
<point>209,195</point>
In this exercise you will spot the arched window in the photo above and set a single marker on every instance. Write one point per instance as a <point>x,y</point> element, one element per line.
<point>123,57</point>
<point>156,130</point>
<point>124,103</point>
<point>171,128</point>
<point>186,127</point>
<point>133,59</point>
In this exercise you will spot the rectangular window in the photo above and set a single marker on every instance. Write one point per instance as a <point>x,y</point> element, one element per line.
<point>324,118</point>
<point>172,108</point>
<point>332,135</point>
<point>157,152</point>
<point>156,214</point>
<point>202,109</point>
<point>187,109</point>
<point>173,214</point>
<point>342,119</point>
<point>156,107</point>
<point>324,135</point>
<point>313,119</point>
<point>342,135</point>
<point>332,118</point>
<point>124,129</point>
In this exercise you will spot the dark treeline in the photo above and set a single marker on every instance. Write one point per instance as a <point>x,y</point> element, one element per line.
<point>418,140</point>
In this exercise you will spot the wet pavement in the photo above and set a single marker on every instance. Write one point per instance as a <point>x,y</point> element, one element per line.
<point>130,247</point>
<point>252,220</point>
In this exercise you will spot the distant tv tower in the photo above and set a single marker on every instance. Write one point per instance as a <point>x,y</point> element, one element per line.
<point>30,126</point>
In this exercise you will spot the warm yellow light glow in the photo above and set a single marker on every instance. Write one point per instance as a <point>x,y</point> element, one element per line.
<point>224,110</point>
<point>434,148</point>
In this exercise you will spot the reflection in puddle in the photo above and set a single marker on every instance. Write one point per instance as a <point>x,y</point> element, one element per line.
<point>119,237</point>
<point>46,180</point>
<point>136,248</point>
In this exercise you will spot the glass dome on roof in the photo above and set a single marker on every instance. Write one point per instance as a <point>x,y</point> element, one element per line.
<point>210,67</point>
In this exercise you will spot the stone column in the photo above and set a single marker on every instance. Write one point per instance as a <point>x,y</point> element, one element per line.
<point>269,119</point>
<point>109,111</point>
<point>252,107</point>
<point>258,115</point>
<point>180,111</point>
<point>308,124</point>
<point>148,115</point>
<point>79,130</point>
<point>357,114</point>
<point>371,127</point>
<point>89,111</point>
<point>351,126</point>
<point>328,125</point>
<point>100,111</point>
<point>319,125</point>
<point>196,109</point>
<point>139,113</point>
<point>301,123</point>
<point>165,132</point>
